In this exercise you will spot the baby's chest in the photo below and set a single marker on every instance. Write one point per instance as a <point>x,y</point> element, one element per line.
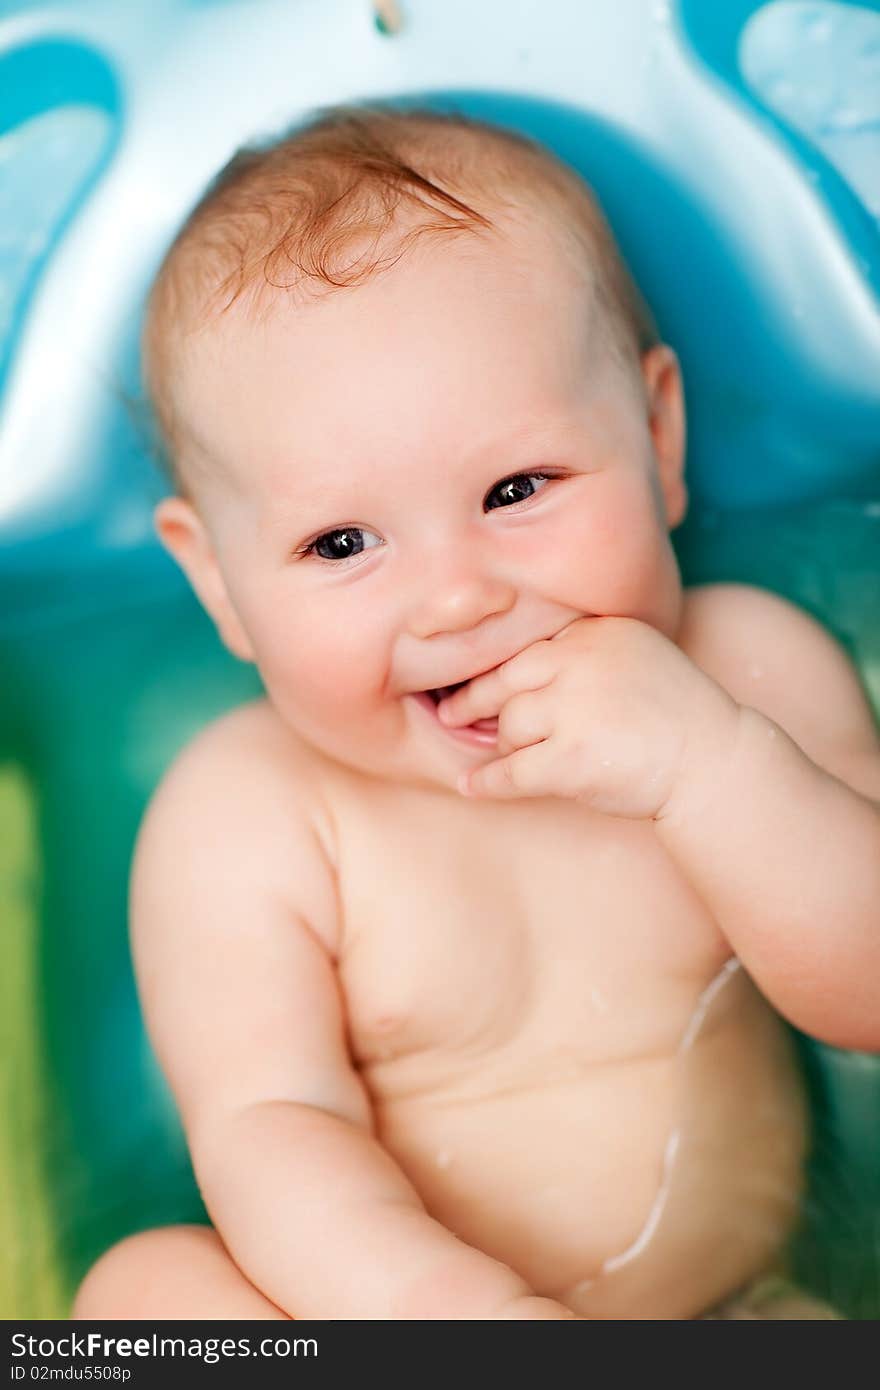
<point>541,922</point>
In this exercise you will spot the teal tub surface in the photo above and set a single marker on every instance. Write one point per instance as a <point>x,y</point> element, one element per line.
<point>735,149</point>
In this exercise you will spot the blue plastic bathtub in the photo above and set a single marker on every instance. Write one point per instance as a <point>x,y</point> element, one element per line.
<point>736,147</point>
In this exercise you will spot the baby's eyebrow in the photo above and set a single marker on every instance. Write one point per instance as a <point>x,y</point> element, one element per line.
<point>299,507</point>
<point>314,490</point>
<point>522,443</point>
<point>305,491</point>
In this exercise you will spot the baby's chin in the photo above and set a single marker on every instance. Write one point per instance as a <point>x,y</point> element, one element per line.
<point>431,755</point>
<point>426,753</point>
<point>406,745</point>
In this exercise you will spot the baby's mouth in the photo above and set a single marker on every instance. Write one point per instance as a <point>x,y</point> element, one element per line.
<point>488,728</point>
<point>443,691</point>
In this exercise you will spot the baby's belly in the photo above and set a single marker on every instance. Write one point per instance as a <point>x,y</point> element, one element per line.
<point>638,1187</point>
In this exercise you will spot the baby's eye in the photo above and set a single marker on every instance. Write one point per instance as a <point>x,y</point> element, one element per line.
<point>341,544</point>
<point>517,488</point>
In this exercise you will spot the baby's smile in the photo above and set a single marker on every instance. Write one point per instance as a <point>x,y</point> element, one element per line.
<point>482,733</point>
<point>496,504</point>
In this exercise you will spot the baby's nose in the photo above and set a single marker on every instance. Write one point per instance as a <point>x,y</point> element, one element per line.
<point>459,602</point>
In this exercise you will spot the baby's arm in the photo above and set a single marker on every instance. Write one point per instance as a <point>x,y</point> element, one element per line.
<point>233,925</point>
<point>779,831</point>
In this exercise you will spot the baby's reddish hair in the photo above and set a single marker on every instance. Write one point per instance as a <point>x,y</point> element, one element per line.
<point>341,198</point>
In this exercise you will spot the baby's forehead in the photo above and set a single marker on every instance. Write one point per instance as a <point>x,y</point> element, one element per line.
<point>484,321</point>
<point>539,238</point>
<point>525,257</point>
<point>325,203</point>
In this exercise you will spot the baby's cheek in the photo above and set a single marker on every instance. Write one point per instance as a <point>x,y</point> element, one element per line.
<point>321,682</point>
<point>591,561</point>
<point>321,673</point>
<point>617,560</point>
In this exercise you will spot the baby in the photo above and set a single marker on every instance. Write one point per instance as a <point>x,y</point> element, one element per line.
<point>455,948</point>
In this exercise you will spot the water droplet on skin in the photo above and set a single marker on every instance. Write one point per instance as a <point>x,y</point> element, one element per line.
<point>598,1000</point>
<point>756,672</point>
<point>606,762</point>
<point>771,733</point>
<point>443,1159</point>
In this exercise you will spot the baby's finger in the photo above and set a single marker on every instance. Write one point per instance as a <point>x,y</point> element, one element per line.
<point>526,718</point>
<point>483,697</point>
<point>575,622</point>
<point>519,774</point>
<point>479,699</point>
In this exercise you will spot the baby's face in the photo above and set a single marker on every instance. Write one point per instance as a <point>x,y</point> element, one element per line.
<point>426,474</point>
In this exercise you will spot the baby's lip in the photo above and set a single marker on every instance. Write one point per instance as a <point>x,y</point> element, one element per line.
<point>484,670</point>
<point>449,686</point>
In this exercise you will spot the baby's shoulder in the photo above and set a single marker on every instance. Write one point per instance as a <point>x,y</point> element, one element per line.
<point>245,755</point>
<point>771,655</point>
<point>243,790</point>
<point>727,621</point>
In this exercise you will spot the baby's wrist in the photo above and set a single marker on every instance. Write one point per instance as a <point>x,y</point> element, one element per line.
<point>712,750</point>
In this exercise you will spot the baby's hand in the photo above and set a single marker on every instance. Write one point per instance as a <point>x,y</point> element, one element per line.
<point>609,711</point>
<point>530,1308</point>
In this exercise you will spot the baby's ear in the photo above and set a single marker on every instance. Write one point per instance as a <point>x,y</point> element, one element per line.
<point>666,419</point>
<point>183,534</point>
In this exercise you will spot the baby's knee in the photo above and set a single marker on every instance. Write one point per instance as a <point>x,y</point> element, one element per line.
<point>134,1278</point>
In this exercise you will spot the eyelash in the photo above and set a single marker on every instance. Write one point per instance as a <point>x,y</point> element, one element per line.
<point>309,547</point>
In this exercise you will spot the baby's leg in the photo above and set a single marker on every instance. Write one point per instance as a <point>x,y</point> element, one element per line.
<point>172,1272</point>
